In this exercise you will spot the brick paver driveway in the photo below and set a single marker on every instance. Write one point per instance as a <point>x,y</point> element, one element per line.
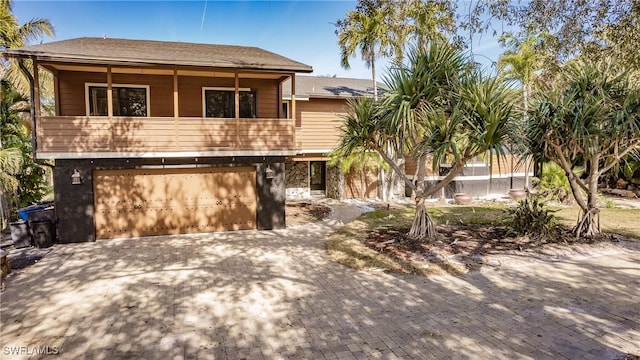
<point>276,294</point>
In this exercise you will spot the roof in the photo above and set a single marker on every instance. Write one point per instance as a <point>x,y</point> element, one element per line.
<point>329,87</point>
<point>110,51</point>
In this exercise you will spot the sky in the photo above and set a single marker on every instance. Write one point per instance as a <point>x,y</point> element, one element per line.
<point>300,30</point>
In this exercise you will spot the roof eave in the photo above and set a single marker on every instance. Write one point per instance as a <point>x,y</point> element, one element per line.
<point>140,62</point>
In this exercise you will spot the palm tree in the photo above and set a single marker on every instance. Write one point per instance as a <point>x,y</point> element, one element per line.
<point>10,166</point>
<point>520,63</point>
<point>586,123</point>
<point>434,107</point>
<point>425,21</point>
<point>13,35</point>
<point>369,32</point>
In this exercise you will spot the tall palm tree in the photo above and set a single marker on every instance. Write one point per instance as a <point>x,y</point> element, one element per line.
<point>425,21</point>
<point>369,32</point>
<point>520,62</point>
<point>12,35</point>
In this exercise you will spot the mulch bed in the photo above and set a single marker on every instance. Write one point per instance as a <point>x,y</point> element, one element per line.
<point>474,246</point>
<point>22,258</point>
<point>304,213</point>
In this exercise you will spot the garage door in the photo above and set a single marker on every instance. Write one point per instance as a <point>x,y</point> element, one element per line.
<point>148,202</point>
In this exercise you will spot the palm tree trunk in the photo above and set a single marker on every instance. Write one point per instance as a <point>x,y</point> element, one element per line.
<point>525,97</point>
<point>588,224</point>
<point>373,77</point>
<point>422,227</point>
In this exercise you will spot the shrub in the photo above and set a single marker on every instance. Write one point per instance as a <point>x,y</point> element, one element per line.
<point>531,217</point>
<point>553,184</point>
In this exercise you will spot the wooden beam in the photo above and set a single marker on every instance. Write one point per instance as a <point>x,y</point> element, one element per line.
<point>32,107</point>
<point>176,112</point>
<point>36,88</point>
<point>176,108</point>
<point>280,115</point>
<point>56,90</point>
<point>110,102</point>
<point>237,107</point>
<point>109,93</point>
<point>292,110</point>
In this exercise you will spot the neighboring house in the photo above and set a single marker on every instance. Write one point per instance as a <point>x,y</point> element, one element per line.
<point>321,105</point>
<point>153,138</point>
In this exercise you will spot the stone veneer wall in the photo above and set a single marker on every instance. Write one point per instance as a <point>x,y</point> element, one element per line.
<point>335,183</point>
<point>297,179</point>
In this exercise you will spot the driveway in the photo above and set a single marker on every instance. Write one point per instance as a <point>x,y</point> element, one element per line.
<point>277,294</point>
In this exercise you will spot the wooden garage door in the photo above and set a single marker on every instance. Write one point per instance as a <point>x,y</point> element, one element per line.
<point>147,202</point>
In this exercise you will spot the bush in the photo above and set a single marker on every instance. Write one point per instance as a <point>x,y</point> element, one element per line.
<point>553,184</point>
<point>531,217</point>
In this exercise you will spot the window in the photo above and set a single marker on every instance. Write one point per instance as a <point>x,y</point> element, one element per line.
<point>220,103</point>
<point>128,100</point>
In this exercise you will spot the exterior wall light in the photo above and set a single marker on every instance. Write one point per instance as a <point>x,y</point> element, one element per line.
<point>76,178</point>
<point>269,172</point>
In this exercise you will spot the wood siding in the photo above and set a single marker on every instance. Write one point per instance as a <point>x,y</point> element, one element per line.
<point>319,122</point>
<point>504,166</point>
<point>148,202</point>
<point>72,91</point>
<point>410,166</point>
<point>361,185</point>
<point>71,85</point>
<point>501,166</point>
<point>69,134</point>
<point>190,94</point>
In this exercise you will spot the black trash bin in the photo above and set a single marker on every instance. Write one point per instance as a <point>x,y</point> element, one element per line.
<point>43,233</point>
<point>20,234</point>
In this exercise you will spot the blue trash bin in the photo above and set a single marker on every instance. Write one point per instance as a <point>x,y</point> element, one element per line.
<point>24,212</point>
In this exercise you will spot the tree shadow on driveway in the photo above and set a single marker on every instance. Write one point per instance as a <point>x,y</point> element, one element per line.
<point>277,294</point>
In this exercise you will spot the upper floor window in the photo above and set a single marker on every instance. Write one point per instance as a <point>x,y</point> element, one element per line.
<point>220,103</point>
<point>128,100</point>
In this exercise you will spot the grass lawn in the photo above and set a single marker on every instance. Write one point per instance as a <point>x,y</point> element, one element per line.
<point>348,246</point>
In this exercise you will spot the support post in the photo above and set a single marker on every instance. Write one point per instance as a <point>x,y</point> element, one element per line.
<point>293,108</point>
<point>36,88</point>
<point>110,106</point>
<point>32,109</point>
<point>109,93</point>
<point>237,107</point>
<point>56,92</point>
<point>176,109</point>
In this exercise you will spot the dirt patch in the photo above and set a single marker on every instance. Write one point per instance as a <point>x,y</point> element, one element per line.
<point>477,247</point>
<point>303,213</point>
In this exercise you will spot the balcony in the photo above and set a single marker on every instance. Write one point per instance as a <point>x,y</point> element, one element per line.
<point>85,136</point>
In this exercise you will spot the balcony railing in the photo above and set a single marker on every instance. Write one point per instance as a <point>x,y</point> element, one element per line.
<point>81,134</point>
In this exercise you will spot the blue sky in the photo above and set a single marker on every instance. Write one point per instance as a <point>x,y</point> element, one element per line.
<point>300,30</point>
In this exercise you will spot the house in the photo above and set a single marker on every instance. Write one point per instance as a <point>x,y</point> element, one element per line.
<point>321,104</point>
<point>153,138</point>
<point>481,176</point>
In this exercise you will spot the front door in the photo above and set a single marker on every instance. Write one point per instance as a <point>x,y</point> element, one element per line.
<point>317,175</point>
